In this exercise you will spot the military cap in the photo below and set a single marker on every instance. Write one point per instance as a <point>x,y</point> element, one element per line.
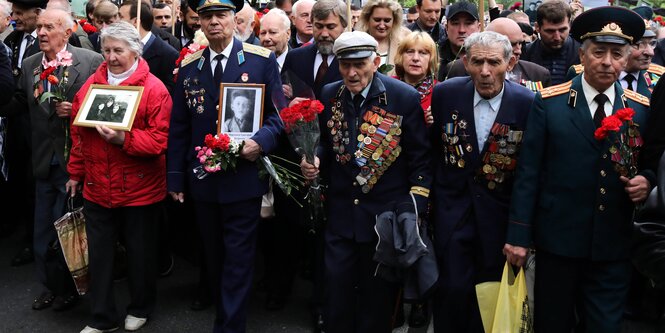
<point>354,45</point>
<point>644,11</point>
<point>608,24</point>
<point>462,7</point>
<point>30,3</point>
<point>202,6</point>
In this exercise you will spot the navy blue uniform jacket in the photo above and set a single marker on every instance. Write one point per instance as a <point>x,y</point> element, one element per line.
<point>352,214</point>
<point>300,62</point>
<point>460,191</point>
<point>189,127</point>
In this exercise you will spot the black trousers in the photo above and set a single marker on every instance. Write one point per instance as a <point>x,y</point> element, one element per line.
<point>595,291</point>
<point>139,227</point>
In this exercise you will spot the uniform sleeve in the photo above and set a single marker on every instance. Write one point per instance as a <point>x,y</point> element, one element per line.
<point>417,150</point>
<point>268,135</point>
<point>179,139</point>
<point>527,178</point>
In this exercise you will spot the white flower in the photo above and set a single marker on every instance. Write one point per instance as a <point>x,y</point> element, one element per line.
<point>200,38</point>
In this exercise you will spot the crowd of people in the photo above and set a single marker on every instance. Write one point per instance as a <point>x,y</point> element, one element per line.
<point>484,141</point>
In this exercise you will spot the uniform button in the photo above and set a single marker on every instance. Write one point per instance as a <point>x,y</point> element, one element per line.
<point>356,201</point>
<point>603,173</point>
<point>217,107</point>
<point>604,156</point>
<point>602,190</point>
<point>355,183</point>
<point>601,208</point>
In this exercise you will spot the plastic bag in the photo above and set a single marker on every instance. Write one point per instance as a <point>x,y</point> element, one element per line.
<point>504,306</point>
<point>74,243</point>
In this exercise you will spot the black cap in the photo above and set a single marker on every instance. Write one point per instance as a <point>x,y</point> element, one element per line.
<point>526,28</point>
<point>202,6</point>
<point>608,24</point>
<point>30,3</point>
<point>645,11</point>
<point>462,7</point>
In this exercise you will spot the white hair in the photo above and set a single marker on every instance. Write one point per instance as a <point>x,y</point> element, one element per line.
<point>5,8</point>
<point>125,32</point>
<point>279,13</point>
<point>60,4</point>
<point>294,9</point>
<point>487,39</point>
<point>67,20</point>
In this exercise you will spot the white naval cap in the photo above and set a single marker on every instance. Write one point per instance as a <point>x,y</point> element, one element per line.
<point>354,45</point>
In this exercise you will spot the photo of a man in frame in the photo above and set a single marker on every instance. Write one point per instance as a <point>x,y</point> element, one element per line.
<point>239,116</point>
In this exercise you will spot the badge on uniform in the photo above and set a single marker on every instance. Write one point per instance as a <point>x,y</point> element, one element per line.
<point>241,57</point>
<point>244,77</point>
<point>200,64</point>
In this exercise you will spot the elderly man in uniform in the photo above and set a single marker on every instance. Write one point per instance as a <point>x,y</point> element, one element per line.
<point>374,156</point>
<point>573,200</point>
<point>485,115</point>
<point>526,73</point>
<point>227,203</point>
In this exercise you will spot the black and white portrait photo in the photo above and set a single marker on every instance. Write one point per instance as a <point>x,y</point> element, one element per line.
<point>241,109</point>
<point>113,106</point>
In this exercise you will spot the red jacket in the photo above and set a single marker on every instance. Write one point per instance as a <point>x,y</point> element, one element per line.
<point>134,174</point>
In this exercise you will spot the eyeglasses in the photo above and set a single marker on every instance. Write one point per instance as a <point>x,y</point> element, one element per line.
<point>641,45</point>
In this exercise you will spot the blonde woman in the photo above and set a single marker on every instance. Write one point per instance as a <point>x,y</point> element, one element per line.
<point>416,63</point>
<point>382,19</point>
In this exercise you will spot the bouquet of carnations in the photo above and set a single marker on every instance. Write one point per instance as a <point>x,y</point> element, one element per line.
<point>219,152</point>
<point>626,141</point>
<point>63,60</point>
<point>302,128</point>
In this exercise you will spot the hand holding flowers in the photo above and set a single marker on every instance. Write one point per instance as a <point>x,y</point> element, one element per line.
<point>219,152</point>
<point>48,76</point>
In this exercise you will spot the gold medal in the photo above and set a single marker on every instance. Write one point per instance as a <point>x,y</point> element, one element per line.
<point>487,168</point>
<point>376,156</point>
<point>363,127</point>
<point>389,137</point>
<point>461,163</point>
<point>613,149</point>
<point>491,185</point>
<point>371,129</point>
<point>361,137</point>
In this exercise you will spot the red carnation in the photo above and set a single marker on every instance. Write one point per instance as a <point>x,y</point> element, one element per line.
<point>625,114</point>
<point>45,73</point>
<point>88,28</point>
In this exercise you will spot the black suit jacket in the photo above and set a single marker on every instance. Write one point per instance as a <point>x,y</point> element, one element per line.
<point>659,53</point>
<point>167,37</point>
<point>13,40</point>
<point>300,62</point>
<point>530,71</point>
<point>161,59</point>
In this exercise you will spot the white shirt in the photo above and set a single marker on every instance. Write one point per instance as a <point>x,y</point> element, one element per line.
<point>318,60</point>
<point>25,45</point>
<point>226,52</point>
<point>145,39</point>
<point>591,92</point>
<point>484,115</point>
<point>300,42</point>
<point>624,83</point>
<point>281,59</point>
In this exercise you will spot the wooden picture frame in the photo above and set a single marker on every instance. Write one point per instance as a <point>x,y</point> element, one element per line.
<point>113,106</point>
<point>248,96</point>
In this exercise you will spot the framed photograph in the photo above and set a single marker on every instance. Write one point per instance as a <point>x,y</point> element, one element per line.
<point>113,106</point>
<point>240,109</point>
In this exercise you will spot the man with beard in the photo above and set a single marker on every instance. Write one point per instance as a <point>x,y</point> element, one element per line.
<point>316,65</point>
<point>185,29</point>
<point>302,23</point>
<point>555,50</point>
<point>245,25</point>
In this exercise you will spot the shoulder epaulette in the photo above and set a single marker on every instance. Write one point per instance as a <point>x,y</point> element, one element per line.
<point>578,68</point>
<point>192,57</point>
<point>656,69</point>
<point>637,97</point>
<point>255,49</point>
<point>557,90</point>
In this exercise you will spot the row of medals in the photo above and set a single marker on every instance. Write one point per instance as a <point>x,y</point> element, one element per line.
<point>498,160</point>
<point>383,156</point>
<point>196,100</point>
<point>339,129</point>
<point>454,151</point>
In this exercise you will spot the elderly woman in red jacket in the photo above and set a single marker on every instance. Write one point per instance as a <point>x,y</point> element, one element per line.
<point>416,62</point>
<point>123,178</point>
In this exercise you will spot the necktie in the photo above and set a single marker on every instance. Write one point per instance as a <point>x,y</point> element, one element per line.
<point>321,72</point>
<point>357,102</point>
<point>629,79</point>
<point>219,71</point>
<point>599,115</point>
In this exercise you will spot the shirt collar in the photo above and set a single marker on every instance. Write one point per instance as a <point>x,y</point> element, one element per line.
<point>591,92</point>
<point>495,102</point>
<point>364,92</point>
<point>624,74</point>
<point>282,58</point>
<point>226,52</point>
<point>311,40</point>
<point>145,39</point>
<point>33,34</point>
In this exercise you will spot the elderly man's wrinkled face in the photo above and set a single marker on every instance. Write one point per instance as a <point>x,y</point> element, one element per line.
<point>218,26</point>
<point>302,19</point>
<point>51,32</point>
<point>119,57</point>
<point>641,54</point>
<point>603,62</point>
<point>25,18</point>
<point>273,35</point>
<point>357,73</point>
<point>244,23</point>
<point>487,68</point>
<point>240,106</point>
<point>326,31</point>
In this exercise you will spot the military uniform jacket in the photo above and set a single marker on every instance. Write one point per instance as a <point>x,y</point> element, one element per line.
<point>351,211</point>
<point>469,179</point>
<point>567,198</point>
<point>533,76</point>
<point>646,79</point>
<point>194,115</point>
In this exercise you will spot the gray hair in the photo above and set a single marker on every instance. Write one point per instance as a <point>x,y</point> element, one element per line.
<point>294,8</point>
<point>323,8</point>
<point>125,32</point>
<point>5,8</point>
<point>489,39</point>
<point>67,20</point>
<point>60,4</point>
<point>276,12</point>
<point>588,41</point>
